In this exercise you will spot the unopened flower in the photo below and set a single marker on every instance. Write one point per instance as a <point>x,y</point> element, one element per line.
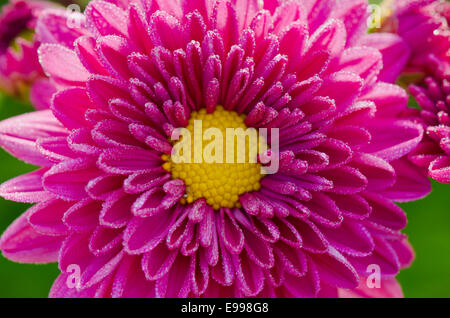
<point>111,200</point>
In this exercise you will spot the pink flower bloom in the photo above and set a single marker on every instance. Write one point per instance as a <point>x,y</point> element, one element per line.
<point>107,199</point>
<point>20,68</point>
<point>433,96</point>
<point>423,24</point>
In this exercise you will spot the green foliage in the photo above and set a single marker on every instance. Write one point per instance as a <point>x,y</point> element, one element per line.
<point>429,233</point>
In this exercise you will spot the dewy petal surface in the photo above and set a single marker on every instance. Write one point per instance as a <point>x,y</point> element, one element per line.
<point>107,197</point>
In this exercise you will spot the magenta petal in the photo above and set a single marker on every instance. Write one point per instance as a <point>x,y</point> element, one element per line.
<point>144,234</point>
<point>259,250</point>
<point>129,280</point>
<point>63,65</point>
<point>47,217</point>
<point>176,283</point>
<point>106,18</point>
<point>70,105</point>
<point>62,288</point>
<point>163,28</point>
<point>26,188</point>
<point>389,99</point>
<point>249,275</point>
<point>335,269</point>
<point>41,94</point>
<point>55,149</point>
<point>140,182</point>
<point>112,133</point>
<point>411,182</point>
<point>330,37</point>
<point>363,61</point>
<point>230,232</point>
<point>383,255</point>
<point>246,9</point>
<point>385,212</point>
<point>395,53</point>
<point>306,286</point>
<point>346,180</point>
<point>93,268</point>
<point>199,273</point>
<point>157,200</point>
<point>157,262</point>
<point>85,47</point>
<point>440,169</point>
<point>127,111</point>
<point>69,178</point>
<point>102,187</point>
<point>404,251</point>
<point>353,206</point>
<point>178,231</point>
<point>386,146</point>
<point>286,14</point>
<point>102,89</point>
<point>354,14</point>
<point>83,215</point>
<point>114,51</point>
<point>80,141</point>
<point>138,28</point>
<point>390,288</point>
<point>116,210</point>
<point>18,135</point>
<point>293,260</point>
<point>324,210</point>
<point>104,239</point>
<point>379,173</point>
<point>343,87</point>
<point>21,243</point>
<point>351,238</point>
<point>223,271</point>
<point>312,238</point>
<point>52,27</point>
<point>118,161</point>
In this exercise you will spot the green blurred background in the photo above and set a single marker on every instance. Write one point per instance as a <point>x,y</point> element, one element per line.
<point>428,229</point>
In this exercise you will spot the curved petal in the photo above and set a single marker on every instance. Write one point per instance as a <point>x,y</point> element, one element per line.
<point>18,135</point>
<point>21,243</point>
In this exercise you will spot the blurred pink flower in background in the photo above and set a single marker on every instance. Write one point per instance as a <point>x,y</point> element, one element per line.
<point>137,69</point>
<point>433,96</point>
<point>21,74</point>
<point>424,25</point>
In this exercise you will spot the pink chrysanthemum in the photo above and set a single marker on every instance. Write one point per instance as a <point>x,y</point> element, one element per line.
<point>19,66</point>
<point>424,25</point>
<point>107,203</point>
<point>433,97</point>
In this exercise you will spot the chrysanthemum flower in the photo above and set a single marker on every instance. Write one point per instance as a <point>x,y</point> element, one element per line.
<point>112,203</point>
<point>20,71</point>
<point>424,25</point>
<point>433,97</point>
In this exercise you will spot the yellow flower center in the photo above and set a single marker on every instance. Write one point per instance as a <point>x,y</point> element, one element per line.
<point>216,157</point>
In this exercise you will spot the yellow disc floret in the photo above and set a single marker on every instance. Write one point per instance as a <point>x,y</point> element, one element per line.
<point>216,156</point>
